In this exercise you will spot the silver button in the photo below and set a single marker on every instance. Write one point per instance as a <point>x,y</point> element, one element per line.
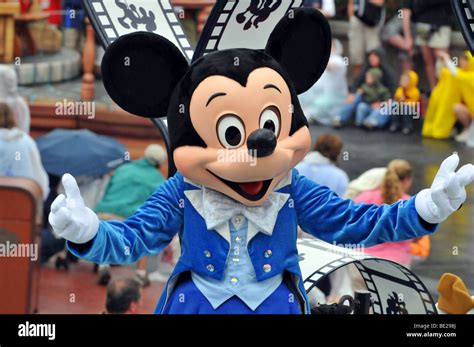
<point>238,221</point>
<point>207,253</point>
<point>267,268</point>
<point>235,260</point>
<point>210,268</point>
<point>238,239</point>
<point>234,280</point>
<point>268,253</point>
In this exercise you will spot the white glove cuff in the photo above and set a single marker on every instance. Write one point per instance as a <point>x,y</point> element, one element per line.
<point>92,227</point>
<point>426,208</point>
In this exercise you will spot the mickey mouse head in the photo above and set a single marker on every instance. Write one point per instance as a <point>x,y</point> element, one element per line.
<point>235,123</point>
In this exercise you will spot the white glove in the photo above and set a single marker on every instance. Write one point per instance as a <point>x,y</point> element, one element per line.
<point>447,192</point>
<point>69,217</point>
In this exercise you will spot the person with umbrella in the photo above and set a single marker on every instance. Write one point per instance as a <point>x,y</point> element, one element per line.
<point>139,178</point>
<point>86,154</point>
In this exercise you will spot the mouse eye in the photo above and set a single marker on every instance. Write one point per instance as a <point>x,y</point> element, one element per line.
<point>231,131</point>
<point>270,119</point>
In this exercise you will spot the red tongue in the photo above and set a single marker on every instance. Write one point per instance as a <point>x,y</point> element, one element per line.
<point>252,188</point>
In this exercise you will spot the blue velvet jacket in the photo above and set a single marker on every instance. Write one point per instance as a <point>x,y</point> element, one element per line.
<point>316,209</point>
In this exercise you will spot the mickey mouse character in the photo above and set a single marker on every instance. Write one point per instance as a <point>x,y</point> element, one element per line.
<point>237,219</point>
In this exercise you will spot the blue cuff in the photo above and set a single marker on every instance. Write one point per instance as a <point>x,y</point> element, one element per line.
<point>91,253</point>
<point>417,220</point>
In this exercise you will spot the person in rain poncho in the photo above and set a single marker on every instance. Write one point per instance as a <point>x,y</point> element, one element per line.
<point>139,179</point>
<point>9,95</point>
<point>19,155</point>
<point>465,109</point>
<point>452,93</point>
<point>330,92</point>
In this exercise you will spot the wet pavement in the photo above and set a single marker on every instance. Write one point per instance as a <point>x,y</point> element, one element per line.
<point>452,246</point>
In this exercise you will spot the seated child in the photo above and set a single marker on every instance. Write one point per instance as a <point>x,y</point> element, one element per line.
<point>367,103</point>
<point>407,96</point>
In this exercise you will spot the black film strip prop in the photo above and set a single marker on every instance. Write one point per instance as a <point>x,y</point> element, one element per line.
<point>384,279</point>
<point>114,18</point>
<point>314,279</point>
<point>425,295</point>
<point>464,11</point>
<point>242,19</point>
<point>371,287</point>
<point>412,282</point>
<point>175,25</point>
<point>98,15</point>
<point>220,15</point>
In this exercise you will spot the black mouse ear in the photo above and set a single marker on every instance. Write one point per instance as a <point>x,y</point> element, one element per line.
<point>301,43</point>
<point>140,71</point>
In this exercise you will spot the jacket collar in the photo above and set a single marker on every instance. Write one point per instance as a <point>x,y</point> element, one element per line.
<point>217,209</point>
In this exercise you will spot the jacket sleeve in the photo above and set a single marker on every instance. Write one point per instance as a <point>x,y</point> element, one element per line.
<point>323,214</point>
<point>386,96</point>
<point>358,81</point>
<point>148,231</point>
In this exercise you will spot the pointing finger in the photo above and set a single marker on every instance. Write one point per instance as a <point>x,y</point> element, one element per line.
<point>59,202</point>
<point>466,175</point>
<point>448,166</point>
<point>60,219</point>
<point>71,189</point>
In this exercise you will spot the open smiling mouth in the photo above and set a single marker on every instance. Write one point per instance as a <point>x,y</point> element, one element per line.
<point>252,191</point>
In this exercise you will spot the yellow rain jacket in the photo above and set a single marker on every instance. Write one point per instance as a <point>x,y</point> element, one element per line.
<point>466,84</point>
<point>410,94</point>
<point>450,90</point>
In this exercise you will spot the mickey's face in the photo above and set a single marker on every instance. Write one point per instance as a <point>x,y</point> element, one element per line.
<point>235,123</point>
<point>246,130</point>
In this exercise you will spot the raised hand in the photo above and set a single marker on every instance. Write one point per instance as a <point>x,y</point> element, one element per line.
<point>447,192</point>
<point>69,217</point>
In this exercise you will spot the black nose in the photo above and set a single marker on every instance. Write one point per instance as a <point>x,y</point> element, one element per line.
<point>261,143</point>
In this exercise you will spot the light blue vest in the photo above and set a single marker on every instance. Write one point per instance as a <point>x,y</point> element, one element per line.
<point>239,275</point>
